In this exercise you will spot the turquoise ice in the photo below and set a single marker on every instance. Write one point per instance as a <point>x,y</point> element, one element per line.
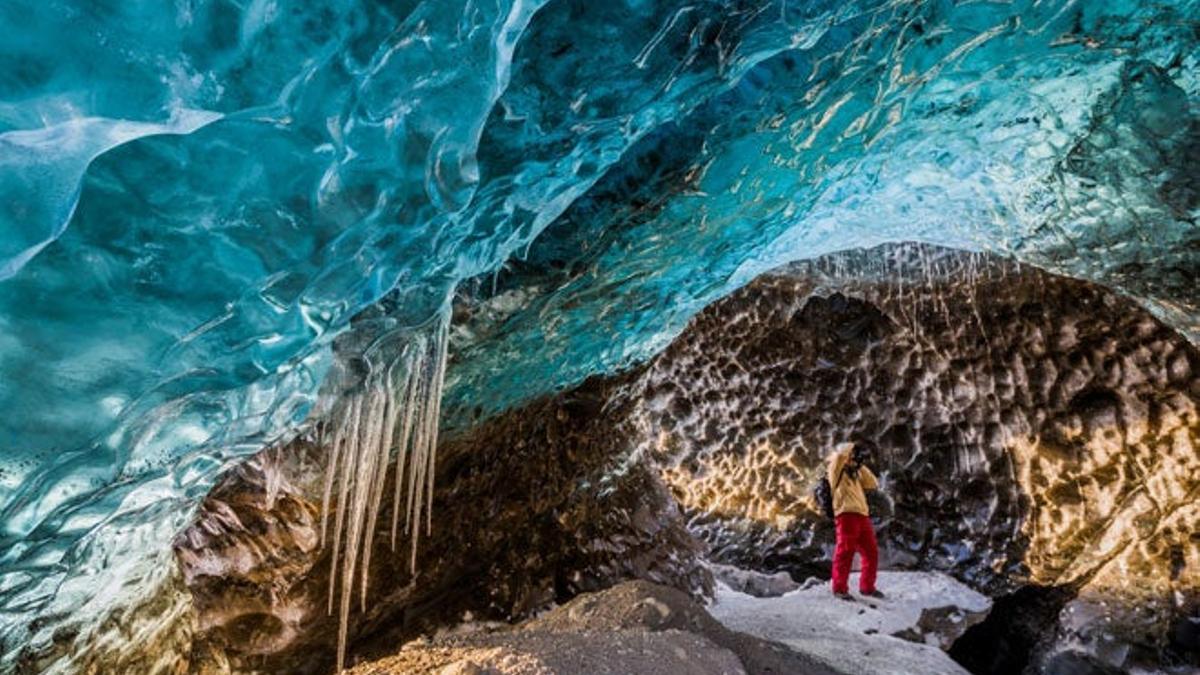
<point>196,196</point>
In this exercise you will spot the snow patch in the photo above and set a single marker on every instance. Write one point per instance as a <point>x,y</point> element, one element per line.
<point>900,633</point>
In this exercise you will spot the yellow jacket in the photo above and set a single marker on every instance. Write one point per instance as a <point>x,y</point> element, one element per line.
<point>849,494</point>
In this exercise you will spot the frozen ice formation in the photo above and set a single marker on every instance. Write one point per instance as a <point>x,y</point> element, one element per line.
<point>196,197</point>
<point>394,413</point>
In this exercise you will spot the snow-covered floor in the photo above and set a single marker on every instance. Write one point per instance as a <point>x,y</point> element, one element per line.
<point>857,637</point>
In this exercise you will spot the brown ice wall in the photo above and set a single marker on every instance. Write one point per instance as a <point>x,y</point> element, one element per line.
<point>1032,429</point>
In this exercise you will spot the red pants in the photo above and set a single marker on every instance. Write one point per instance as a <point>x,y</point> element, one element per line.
<point>855,534</point>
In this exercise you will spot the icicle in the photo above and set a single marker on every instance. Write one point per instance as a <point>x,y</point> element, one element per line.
<point>273,474</point>
<point>435,399</point>
<point>416,479</point>
<point>400,441</point>
<point>398,408</point>
<point>329,475</point>
<point>349,463</point>
<point>382,441</point>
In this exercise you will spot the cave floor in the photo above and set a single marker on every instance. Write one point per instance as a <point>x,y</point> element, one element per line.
<point>907,631</point>
<point>640,628</point>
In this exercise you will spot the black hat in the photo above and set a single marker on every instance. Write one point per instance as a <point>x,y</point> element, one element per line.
<point>863,451</point>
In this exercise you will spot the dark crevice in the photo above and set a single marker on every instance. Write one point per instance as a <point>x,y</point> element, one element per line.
<point>1008,640</point>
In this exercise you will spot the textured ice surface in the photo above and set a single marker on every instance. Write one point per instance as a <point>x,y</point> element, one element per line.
<point>196,196</point>
<point>1062,133</point>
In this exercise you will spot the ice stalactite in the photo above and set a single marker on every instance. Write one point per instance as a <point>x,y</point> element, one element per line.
<point>397,407</point>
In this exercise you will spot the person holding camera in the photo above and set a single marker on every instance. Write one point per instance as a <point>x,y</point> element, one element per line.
<point>850,478</point>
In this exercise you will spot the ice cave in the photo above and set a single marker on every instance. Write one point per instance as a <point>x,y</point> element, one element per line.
<point>537,336</point>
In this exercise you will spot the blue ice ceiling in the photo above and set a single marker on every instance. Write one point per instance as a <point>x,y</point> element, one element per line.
<point>195,197</point>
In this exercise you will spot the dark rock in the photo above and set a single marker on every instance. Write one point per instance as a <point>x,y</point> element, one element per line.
<point>754,583</point>
<point>1075,663</point>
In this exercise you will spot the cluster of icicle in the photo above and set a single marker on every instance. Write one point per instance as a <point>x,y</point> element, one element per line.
<point>396,409</point>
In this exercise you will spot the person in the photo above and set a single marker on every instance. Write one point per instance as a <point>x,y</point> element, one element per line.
<point>850,478</point>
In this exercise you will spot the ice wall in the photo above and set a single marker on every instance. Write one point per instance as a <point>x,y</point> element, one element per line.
<point>195,197</point>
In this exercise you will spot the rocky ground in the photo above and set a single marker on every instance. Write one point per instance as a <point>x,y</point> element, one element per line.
<point>670,652</point>
<point>639,628</point>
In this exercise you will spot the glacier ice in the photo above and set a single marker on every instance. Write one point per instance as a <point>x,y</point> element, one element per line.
<point>1064,159</point>
<point>196,197</point>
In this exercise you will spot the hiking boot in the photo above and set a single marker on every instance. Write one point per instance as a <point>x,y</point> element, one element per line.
<point>877,594</point>
<point>844,595</point>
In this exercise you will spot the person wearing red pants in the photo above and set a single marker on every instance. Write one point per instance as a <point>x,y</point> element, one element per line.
<point>850,479</point>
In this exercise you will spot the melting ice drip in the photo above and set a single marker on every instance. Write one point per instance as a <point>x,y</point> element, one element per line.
<point>398,407</point>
